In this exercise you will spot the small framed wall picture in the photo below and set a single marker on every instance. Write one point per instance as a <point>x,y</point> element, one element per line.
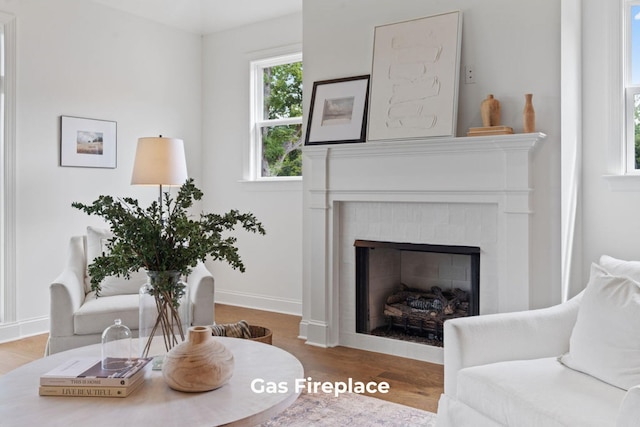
<point>338,111</point>
<point>88,143</point>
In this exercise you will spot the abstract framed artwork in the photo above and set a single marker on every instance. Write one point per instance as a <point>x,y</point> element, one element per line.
<point>338,112</point>
<point>88,143</point>
<point>415,77</point>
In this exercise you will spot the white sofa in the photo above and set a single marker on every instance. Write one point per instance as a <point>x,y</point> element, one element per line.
<point>78,317</point>
<point>512,369</point>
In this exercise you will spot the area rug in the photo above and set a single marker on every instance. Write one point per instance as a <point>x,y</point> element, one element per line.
<point>349,409</point>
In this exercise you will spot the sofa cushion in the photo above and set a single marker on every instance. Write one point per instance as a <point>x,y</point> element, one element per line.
<point>605,341</point>
<point>96,314</point>
<point>97,239</point>
<point>540,392</point>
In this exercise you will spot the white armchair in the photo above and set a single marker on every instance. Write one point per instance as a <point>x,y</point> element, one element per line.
<point>77,317</point>
<point>504,370</point>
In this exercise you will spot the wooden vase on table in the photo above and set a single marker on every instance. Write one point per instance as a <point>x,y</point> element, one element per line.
<point>199,364</point>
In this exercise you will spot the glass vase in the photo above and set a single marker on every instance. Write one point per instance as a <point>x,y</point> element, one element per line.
<point>165,312</point>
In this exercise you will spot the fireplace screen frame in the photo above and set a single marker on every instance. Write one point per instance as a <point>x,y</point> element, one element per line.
<point>362,248</point>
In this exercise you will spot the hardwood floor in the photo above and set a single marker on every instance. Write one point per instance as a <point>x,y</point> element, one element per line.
<point>412,383</point>
<point>17,353</point>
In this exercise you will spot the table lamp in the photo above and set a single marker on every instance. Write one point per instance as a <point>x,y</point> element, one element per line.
<point>159,161</point>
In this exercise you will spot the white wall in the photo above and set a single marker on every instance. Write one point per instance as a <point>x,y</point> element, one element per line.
<point>610,218</point>
<point>514,47</point>
<point>155,80</point>
<point>78,58</point>
<point>272,280</point>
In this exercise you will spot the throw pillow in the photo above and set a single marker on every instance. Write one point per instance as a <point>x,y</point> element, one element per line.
<point>96,246</point>
<point>618,267</point>
<point>97,239</point>
<point>605,342</point>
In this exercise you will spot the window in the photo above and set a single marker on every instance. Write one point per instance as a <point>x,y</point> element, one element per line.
<point>632,86</point>
<point>276,121</point>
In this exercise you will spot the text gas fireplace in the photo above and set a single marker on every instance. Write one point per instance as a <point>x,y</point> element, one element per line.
<point>407,291</point>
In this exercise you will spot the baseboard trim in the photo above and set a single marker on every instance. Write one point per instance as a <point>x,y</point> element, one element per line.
<point>23,329</point>
<point>259,302</point>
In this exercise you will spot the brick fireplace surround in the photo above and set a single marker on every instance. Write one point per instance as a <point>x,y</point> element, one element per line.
<point>472,191</point>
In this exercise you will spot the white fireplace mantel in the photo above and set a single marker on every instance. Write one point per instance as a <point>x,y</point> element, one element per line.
<point>493,171</point>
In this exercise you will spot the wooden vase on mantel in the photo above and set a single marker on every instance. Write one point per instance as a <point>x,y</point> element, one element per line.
<point>201,363</point>
<point>528,115</point>
<point>490,111</point>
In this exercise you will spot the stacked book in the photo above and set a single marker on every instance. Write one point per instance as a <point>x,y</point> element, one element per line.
<point>84,377</point>
<point>490,130</point>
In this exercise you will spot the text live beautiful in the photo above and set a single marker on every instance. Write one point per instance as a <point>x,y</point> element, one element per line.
<point>260,386</point>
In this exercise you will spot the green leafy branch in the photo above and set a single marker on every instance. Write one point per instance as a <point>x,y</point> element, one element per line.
<point>164,239</point>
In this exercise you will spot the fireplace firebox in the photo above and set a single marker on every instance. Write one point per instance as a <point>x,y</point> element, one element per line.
<point>407,291</point>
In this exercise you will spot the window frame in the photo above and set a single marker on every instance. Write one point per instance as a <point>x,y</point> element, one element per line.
<point>619,176</point>
<point>258,122</point>
<point>629,149</point>
<point>630,92</point>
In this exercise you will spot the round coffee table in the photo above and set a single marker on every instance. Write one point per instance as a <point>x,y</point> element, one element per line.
<point>155,404</point>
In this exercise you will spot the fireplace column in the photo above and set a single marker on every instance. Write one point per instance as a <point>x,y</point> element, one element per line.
<point>315,325</point>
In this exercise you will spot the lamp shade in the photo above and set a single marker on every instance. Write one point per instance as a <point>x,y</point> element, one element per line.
<point>159,161</point>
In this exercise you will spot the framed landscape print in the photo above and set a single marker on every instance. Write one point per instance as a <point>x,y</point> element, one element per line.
<point>414,79</point>
<point>338,112</point>
<point>89,143</point>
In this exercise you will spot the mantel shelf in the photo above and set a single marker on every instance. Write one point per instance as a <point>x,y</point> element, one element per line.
<point>521,141</point>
